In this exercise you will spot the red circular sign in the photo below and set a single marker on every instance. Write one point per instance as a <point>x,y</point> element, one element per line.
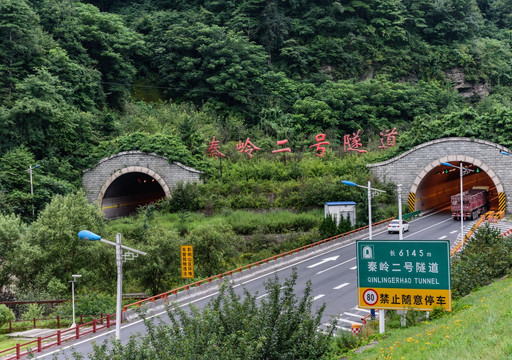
<point>370,297</point>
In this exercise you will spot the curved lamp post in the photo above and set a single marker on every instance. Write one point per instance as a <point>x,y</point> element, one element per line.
<point>369,187</point>
<point>120,258</point>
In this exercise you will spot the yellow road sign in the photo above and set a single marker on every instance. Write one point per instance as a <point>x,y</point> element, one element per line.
<point>187,261</point>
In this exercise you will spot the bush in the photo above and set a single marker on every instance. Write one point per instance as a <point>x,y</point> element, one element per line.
<point>185,197</point>
<point>6,315</point>
<point>33,311</point>
<point>485,257</point>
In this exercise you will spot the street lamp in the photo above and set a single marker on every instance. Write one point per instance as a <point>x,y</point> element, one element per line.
<point>400,229</point>
<point>120,258</point>
<point>463,171</point>
<point>382,316</point>
<point>29,170</point>
<point>73,296</point>
<point>369,187</point>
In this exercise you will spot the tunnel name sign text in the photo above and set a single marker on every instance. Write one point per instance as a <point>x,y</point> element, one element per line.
<point>401,275</point>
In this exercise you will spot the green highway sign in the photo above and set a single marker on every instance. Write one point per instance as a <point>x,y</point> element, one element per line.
<point>401,275</point>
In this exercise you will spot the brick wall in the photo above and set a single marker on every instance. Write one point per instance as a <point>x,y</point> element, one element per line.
<point>410,167</point>
<point>96,180</point>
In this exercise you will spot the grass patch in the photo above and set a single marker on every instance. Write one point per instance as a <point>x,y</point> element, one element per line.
<point>478,328</point>
<point>7,342</point>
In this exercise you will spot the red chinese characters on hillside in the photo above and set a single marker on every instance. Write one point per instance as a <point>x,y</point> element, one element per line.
<point>390,136</point>
<point>320,150</point>
<point>246,147</point>
<point>350,143</point>
<point>213,149</point>
<point>279,143</point>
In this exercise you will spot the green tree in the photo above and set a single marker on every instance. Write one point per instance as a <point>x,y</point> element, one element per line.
<point>213,249</point>
<point>6,315</point>
<point>159,271</point>
<point>194,60</point>
<point>50,251</point>
<point>485,257</point>
<point>41,119</point>
<point>345,225</point>
<point>97,40</point>
<point>327,227</point>
<point>19,42</point>
<point>282,326</point>
<point>12,229</point>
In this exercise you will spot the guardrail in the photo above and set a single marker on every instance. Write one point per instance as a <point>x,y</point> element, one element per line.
<point>411,215</point>
<point>44,342</point>
<point>34,321</point>
<point>108,321</point>
<point>470,233</point>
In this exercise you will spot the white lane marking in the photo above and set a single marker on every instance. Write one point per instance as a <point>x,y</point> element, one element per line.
<point>318,297</point>
<point>454,231</point>
<point>350,314</point>
<point>332,267</point>
<point>343,328</point>
<point>350,322</point>
<point>364,310</point>
<point>333,258</point>
<point>353,268</point>
<point>261,296</point>
<point>340,286</point>
<point>428,227</point>
<point>442,237</point>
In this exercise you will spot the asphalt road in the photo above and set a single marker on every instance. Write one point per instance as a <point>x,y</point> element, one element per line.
<point>332,275</point>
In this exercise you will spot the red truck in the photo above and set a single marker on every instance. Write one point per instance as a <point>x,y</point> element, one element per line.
<point>476,203</point>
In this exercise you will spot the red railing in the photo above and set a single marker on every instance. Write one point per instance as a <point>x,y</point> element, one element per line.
<point>34,322</point>
<point>45,342</point>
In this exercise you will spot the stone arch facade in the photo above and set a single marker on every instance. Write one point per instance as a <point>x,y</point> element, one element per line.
<point>411,167</point>
<point>97,180</point>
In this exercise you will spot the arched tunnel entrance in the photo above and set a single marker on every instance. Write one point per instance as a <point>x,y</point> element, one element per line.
<point>129,191</point>
<point>441,182</point>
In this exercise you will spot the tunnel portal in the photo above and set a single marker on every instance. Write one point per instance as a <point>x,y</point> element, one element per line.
<point>125,181</point>
<point>430,184</point>
<point>129,191</point>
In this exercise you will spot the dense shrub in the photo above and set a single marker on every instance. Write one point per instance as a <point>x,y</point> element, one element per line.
<point>6,315</point>
<point>485,257</point>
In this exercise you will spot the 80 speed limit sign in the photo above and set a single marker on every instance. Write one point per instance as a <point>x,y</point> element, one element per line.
<point>370,297</point>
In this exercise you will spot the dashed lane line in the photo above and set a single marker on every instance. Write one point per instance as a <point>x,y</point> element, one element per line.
<point>340,286</point>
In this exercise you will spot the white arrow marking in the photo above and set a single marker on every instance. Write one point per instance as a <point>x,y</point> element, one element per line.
<point>334,258</point>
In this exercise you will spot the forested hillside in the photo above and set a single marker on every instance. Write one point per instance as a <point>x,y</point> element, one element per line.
<point>80,79</point>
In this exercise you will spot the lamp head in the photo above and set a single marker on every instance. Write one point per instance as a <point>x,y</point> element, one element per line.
<point>76,276</point>
<point>349,183</point>
<point>88,235</point>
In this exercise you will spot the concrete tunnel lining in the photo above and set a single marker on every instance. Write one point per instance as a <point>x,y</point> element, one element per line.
<point>131,169</point>
<point>457,158</point>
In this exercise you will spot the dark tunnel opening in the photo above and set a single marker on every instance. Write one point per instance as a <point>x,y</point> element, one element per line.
<point>128,192</point>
